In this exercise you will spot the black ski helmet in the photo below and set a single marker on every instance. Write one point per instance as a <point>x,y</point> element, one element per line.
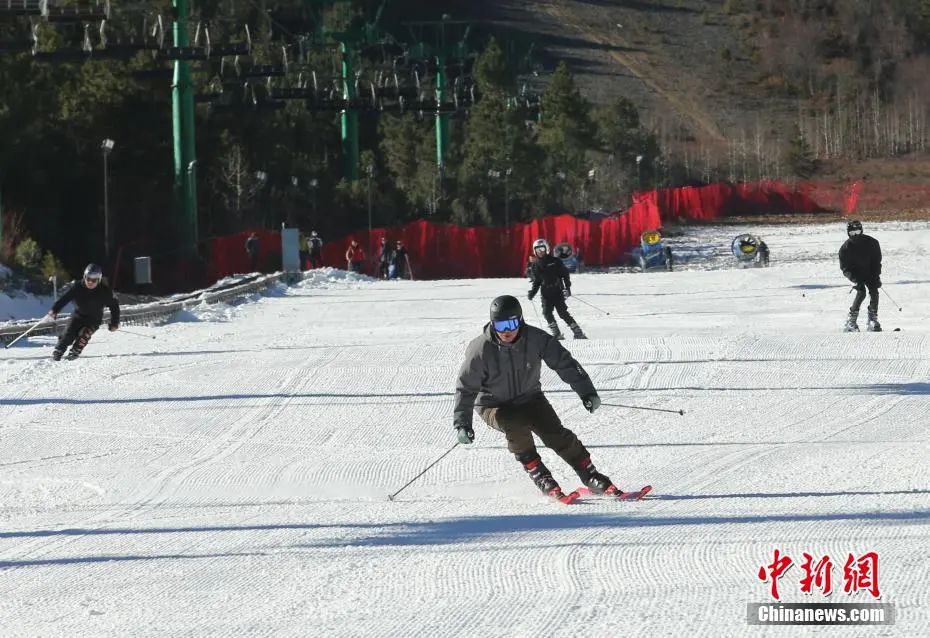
<point>854,226</point>
<point>506,307</point>
<point>93,271</point>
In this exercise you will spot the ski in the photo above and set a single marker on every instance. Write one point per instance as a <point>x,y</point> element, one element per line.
<point>565,499</point>
<point>615,492</point>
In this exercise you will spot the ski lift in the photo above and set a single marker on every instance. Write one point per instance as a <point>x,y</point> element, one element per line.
<point>265,70</point>
<point>62,55</point>
<point>233,48</point>
<point>21,8</point>
<point>76,12</point>
<point>122,50</point>
<point>195,52</point>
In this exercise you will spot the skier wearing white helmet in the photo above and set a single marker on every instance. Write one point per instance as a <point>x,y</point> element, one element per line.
<point>90,295</point>
<point>550,277</point>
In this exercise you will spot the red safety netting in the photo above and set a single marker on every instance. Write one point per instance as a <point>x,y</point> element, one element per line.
<point>228,255</point>
<point>447,251</point>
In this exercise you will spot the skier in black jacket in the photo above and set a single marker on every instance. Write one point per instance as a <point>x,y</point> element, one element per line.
<point>550,277</point>
<point>89,295</point>
<point>861,263</point>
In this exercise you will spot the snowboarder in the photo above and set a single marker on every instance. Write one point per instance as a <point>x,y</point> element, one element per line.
<point>861,263</point>
<point>551,278</point>
<point>316,250</point>
<point>90,295</point>
<point>500,379</point>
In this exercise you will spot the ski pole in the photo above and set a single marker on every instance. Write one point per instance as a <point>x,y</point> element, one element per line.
<point>36,325</point>
<point>891,300</point>
<point>391,496</point>
<point>637,407</point>
<point>536,311</point>
<point>136,334</point>
<point>590,304</point>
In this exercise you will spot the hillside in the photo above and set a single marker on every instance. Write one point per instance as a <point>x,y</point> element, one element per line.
<point>724,78</point>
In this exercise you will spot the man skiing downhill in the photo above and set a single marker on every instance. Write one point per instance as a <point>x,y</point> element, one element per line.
<point>500,379</point>
<point>90,295</point>
<point>550,277</point>
<point>861,263</point>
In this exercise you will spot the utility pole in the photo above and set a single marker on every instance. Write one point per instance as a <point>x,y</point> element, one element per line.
<point>107,147</point>
<point>182,116</point>
<point>507,196</point>
<point>370,169</point>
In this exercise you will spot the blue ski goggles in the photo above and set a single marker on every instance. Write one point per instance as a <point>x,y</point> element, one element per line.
<point>506,325</point>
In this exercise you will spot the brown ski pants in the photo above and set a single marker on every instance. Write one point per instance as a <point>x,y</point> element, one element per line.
<point>520,422</point>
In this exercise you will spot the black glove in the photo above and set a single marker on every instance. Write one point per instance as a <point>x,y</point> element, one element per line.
<point>849,276</point>
<point>568,292</point>
<point>591,402</point>
<point>530,295</point>
<point>465,434</point>
<point>877,282</point>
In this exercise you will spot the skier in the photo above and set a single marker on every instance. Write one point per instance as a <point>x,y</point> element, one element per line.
<point>89,295</point>
<point>861,263</point>
<point>316,250</point>
<point>550,276</point>
<point>500,379</point>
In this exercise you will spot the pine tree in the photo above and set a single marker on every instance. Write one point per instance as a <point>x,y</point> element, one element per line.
<point>566,133</point>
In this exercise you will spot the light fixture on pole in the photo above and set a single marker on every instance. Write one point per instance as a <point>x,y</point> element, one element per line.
<point>107,147</point>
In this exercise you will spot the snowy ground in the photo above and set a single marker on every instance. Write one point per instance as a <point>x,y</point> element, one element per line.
<point>230,477</point>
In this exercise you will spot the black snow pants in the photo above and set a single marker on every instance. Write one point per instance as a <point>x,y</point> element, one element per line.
<point>556,302</point>
<point>860,296</point>
<point>78,332</point>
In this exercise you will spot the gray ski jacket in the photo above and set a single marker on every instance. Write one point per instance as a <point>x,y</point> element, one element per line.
<point>496,373</point>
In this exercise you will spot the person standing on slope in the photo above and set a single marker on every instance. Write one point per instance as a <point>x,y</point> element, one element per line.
<point>861,263</point>
<point>550,277</point>
<point>90,295</point>
<point>500,379</point>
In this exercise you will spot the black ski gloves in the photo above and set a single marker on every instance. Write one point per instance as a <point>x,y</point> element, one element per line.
<point>591,402</point>
<point>465,434</point>
<point>530,295</point>
<point>568,292</point>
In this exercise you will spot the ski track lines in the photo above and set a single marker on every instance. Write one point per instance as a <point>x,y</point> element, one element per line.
<point>242,489</point>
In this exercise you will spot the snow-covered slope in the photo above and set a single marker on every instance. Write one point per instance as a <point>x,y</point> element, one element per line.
<point>230,477</point>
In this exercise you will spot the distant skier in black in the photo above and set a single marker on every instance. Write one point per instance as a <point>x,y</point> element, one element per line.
<point>500,379</point>
<point>90,296</point>
<point>385,257</point>
<point>763,253</point>
<point>251,247</point>
<point>550,277</point>
<point>861,263</point>
<point>316,250</point>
